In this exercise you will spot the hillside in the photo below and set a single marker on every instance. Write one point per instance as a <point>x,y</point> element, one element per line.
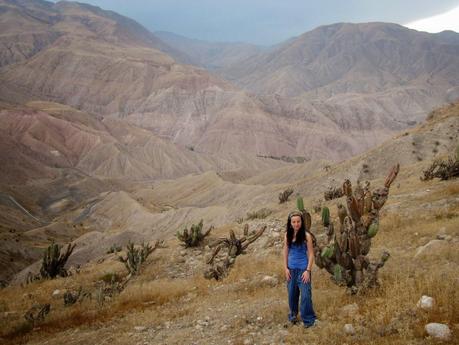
<point>107,65</point>
<point>355,71</point>
<point>170,302</point>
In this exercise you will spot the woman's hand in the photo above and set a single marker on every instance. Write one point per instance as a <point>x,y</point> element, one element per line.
<point>305,277</point>
<point>287,274</point>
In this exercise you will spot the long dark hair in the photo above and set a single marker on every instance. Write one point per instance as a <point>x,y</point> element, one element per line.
<point>301,234</point>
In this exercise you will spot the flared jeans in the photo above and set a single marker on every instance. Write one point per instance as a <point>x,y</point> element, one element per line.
<point>296,289</point>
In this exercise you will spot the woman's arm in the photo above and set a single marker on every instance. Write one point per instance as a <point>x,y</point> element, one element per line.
<point>306,276</point>
<point>286,270</point>
<point>310,251</point>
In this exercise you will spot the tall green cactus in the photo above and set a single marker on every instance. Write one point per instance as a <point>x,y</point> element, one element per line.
<point>54,261</point>
<point>325,216</point>
<point>300,204</point>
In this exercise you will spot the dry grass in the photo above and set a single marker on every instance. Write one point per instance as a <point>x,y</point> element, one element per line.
<point>387,315</point>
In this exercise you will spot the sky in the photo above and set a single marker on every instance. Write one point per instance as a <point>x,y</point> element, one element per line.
<point>268,22</point>
<point>438,23</point>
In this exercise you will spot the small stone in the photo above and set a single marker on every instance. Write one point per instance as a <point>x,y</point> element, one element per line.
<point>438,330</point>
<point>349,329</point>
<point>183,252</point>
<point>204,323</point>
<point>181,260</point>
<point>56,293</point>
<point>269,280</point>
<point>140,328</point>
<point>350,309</point>
<point>426,302</point>
<point>248,341</point>
<point>441,237</point>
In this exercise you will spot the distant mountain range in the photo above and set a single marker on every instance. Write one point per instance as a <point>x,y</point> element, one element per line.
<point>330,93</point>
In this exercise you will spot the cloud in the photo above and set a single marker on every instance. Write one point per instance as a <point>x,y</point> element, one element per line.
<point>445,21</point>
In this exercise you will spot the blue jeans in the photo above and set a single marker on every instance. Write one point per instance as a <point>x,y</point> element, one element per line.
<point>295,287</point>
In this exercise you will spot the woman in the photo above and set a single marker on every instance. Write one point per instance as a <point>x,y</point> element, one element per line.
<point>298,262</point>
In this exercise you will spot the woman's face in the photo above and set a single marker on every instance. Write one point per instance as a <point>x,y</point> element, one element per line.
<point>295,221</point>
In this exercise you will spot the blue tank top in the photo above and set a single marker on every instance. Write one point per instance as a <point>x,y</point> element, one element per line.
<point>298,256</point>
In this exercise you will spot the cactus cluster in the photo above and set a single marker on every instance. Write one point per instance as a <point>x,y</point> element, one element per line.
<point>235,246</point>
<point>194,236</point>
<point>54,261</point>
<point>136,257</point>
<point>283,196</point>
<point>344,255</point>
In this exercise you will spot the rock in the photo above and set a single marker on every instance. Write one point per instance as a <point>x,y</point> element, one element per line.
<point>438,330</point>
<point>349,329</point>
<point>248,341</point>
<point>269,281</point>
<point>426,302</point>
<point>181,260</point>
<point>434,247</point>
<point>202,323</point>
<point>140,328</point>
<point>441,237</point>
<point>183,252</point>
<point>56,293</point>
<point>350,309</point>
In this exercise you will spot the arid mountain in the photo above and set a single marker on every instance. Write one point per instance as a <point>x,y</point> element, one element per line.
<point>356,72</point>
<point>352,58</point>
<point>213,56</point>
<point>105,64</point>
<point>96,66</point>
<point>98,212</point>
<point>59,165</point>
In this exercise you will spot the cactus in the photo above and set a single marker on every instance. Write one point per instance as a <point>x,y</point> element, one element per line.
<point>328,252</point>
<point>325,216</point>
<point>236,246</point>
<point>54,261</point>
<point>300,204</point>
<point>344,255</point>
<point>136,257</point>
<point>372,230</point>
<point>283,197</point>
<point>194,237</point>
<point>338,273</point>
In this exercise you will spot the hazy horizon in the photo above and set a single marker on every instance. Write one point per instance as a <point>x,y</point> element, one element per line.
<point>266,22</point>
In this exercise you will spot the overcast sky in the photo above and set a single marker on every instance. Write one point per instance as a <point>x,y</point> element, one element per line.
<point>266,21</point>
